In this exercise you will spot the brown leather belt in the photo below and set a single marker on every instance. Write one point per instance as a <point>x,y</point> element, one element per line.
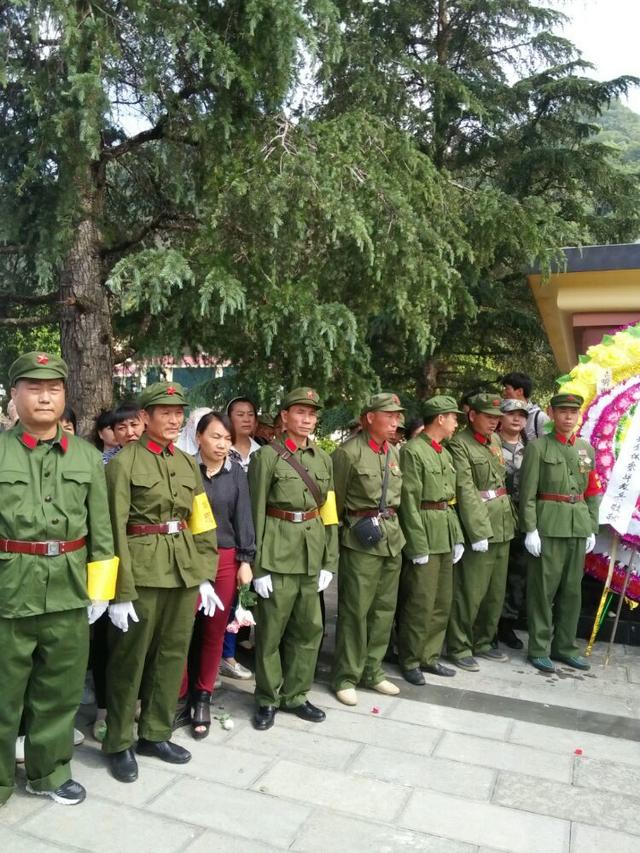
<point>434,505</point>
<point>565,499</point>
<point>173,526</point>
<point>51,548</point>
<point>492,494</point>
<point>296,516</point>
<point>373,513</point>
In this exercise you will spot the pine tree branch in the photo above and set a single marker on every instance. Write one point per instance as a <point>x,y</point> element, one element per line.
<point>12,248</point>
<point>16,299</point>
<point>25,322</point>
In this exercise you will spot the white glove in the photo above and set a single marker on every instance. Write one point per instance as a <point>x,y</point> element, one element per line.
<point>263,586</point>
<point>209,601</point>
<point>119,612</point>
<point>95,610</point>
<point>458,551</point>
<point>420,561</point>
<point>533,543</point>
<point>482,545</point>
<point>324,579</point>
<point>591,543</point>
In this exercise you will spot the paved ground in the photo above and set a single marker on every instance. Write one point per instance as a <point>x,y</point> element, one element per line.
<point>506,759</point>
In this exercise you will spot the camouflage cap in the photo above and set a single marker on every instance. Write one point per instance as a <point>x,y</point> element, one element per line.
<point>507,407</point>
<point>38,365</point>
<point>440,405</point>
<point>384,402</point>
<point>571,401</point>
<point>163,394</point>
<point>486,404</point>
<point>304,396</point>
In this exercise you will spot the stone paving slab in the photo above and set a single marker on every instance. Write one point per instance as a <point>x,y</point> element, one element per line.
<point>12,841</point>
<point>590,806</point>
<point>566,741</point>
<point>327,788</point>
<point>591,839</point>
<point>451,719</point>
<point>218,842</point>
<point>505,756</point>
<point>380,730</point>
<point>419,771</point>
<point>106,827</point>
<point>316,746</point>
<point>326,831</point>
<point>606,775</point>
<point>251,815</point>
<point>90,769</point>
<point>485,824</point>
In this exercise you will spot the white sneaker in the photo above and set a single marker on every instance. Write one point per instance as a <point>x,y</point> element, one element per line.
<point>20,750</point>
<point>78,737</point>
<point>234,670</point>
<point>348,696</point>
<point>386,687</point>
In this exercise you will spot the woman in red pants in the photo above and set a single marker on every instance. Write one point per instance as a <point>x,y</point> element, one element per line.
<point>226,485</point>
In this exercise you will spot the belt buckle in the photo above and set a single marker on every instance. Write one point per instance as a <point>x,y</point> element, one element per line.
<point>53,549</point>
<point>491,494</point>
<point>173,526</point>
<point>298,516</point>
<point>573,499</point>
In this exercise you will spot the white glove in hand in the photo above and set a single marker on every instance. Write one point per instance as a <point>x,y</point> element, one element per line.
<point>324,579</point>
<point>591,543</point>
<point>533,543</point>
<point>120,612</point>
<point>420,561</point>
<point>95,610</point>
<point>209,601</point>
<point>458,551</point>
<point>482,545</point>
<point>263,586</point>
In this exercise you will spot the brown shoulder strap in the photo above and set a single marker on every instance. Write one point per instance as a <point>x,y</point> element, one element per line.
<point>287,456</point>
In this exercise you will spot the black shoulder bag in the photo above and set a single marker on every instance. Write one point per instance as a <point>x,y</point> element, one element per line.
<point>368,530</point>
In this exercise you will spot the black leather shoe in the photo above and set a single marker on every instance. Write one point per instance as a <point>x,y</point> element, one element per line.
<point>264,717</point>
<point>438,669</point>
<point>307,712</point>
<point>164,750</point>
<point>124,766</point>
<point>508,636</point>
<point>414,676</point>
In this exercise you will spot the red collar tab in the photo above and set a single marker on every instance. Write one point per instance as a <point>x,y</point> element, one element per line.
<point>171,390</point>
<point>64,442</point>
<point>29,441</point>
<point>290,445</point>
<point>436,446</point>
<point>564,440</point>
<point>42,359</point>
<point>154,447</point>
<point>171,448</point>
<point>481,439</point>
<point>378,448</point>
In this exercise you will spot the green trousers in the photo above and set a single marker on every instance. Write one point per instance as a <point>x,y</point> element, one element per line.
<point>148,661</point>
<point>43,661</point>
<point>424,607</point>
<point>367,598</point>
<point>479,582</point>
<point>554,597</point>
<point>288,636</point>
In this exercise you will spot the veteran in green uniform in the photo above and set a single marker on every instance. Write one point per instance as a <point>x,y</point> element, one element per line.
<point>434,543</point>
<point>296,558</point>
<point>56,557</point>
<point>488,522</point>
<point>164,535</point>
<point>559,500</point>
<point>369,569</point>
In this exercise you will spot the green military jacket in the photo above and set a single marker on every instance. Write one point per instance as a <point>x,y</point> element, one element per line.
<point>149,485</point>
<point>358,468</point>
<point>553,466</point>
<point>480,467</point>
<point>50,491</point>
<point>287,547</point>
<point>428,475</point>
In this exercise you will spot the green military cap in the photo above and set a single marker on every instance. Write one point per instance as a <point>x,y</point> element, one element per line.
<point>302,396</point>
<point>571,401</point>
<point>38,365</point>
<point>440,405</point>
<point>509,406</point>
<point>163,394</point>
<point>487,404</point>
<point>265,419</point>
<point>384,402</point>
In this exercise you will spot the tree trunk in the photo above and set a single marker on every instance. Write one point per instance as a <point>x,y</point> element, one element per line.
<point>85,323</point>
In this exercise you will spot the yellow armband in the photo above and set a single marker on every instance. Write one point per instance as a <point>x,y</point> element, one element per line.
<point>453,501</point>
<point>329,510</point>
<point>101,579</point>
<point>201,519</point>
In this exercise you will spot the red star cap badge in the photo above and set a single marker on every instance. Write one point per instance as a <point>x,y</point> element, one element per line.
<point>43,359</point>
<point>171,390</point>
<point>395,399</point>
<point>310,394</point>
<point>570,397</point>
